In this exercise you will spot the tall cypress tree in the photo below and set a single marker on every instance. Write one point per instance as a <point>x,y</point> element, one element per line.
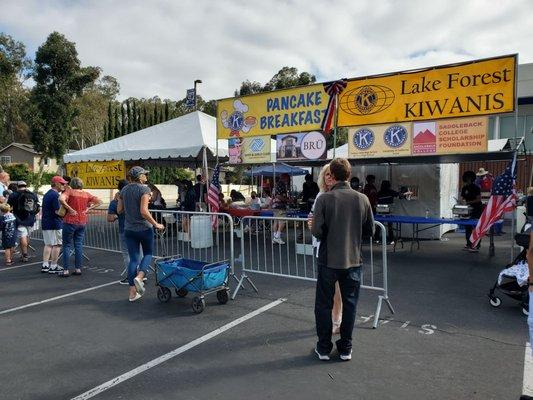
<point>151,120</point>
<point>106,132</point>
<point>130,117</point>
<point>116,133</point>
<point>124,120</point>
<point>167,111</point>
<point>110,119</point>
<point>143,116</point>
<point>156,113</point>
<point>135,117</point>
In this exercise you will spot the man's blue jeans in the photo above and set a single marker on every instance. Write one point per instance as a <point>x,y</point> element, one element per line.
<point>73,235</point>
<point>349,282</point>
<point>146,240</point>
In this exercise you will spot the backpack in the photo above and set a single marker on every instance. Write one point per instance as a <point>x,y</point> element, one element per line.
<point>27,202</point>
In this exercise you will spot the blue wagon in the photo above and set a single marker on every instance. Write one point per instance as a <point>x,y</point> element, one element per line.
<point>185,275</point>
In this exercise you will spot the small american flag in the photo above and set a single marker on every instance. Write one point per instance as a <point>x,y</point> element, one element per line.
<point>502,199</point>
<point>333,89</point>
<point>213,193</point>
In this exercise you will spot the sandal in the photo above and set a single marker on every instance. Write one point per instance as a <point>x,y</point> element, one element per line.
<point>8,263</point>
<point>64,274</point>
<point>77,272</point>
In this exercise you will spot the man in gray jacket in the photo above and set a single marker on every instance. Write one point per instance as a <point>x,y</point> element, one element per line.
<point>341,218</point>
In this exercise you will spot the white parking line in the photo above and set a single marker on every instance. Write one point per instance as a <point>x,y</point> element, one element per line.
<point>142,368</point>
<point>527,387</point>
<point>57,298</point>
<point>20,266</point>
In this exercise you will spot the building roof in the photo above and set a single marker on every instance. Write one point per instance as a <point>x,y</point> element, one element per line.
<point>23,146</point>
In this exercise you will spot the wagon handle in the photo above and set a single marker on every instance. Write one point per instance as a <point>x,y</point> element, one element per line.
<point>215,263</point>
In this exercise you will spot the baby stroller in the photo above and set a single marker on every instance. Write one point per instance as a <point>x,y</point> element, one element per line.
<point>509,285</point>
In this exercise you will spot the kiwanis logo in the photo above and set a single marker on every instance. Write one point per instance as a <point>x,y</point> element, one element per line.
<point>363,138</point>
<point>257,145</point>
<point>395,136</point>
<point>367,99</point>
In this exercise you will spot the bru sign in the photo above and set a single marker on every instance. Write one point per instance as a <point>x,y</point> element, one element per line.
<point>467,89</point>
<point>98,174</point>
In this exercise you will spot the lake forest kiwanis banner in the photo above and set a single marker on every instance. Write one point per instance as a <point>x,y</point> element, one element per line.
<point>250,150</point>
<point>98,174</point>
<point>299,109</point>
<point>469,89</point>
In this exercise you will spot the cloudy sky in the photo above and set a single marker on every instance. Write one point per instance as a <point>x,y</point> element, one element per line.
<point>158,47</point>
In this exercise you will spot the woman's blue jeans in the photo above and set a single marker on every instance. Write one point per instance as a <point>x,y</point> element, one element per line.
<point>146,240</point>
<point>73,235</point>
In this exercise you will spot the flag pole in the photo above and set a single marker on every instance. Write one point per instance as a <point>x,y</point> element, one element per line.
<point>335,127</point>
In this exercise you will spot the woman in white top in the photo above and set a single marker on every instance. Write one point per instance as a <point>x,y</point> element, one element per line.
<point>325,182</point>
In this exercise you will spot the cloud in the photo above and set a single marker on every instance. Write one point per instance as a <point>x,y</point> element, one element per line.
<point>161,47</point>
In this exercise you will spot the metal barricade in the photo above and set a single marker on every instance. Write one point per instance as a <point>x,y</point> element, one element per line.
<point>190,234</point>
<point>293,255</point>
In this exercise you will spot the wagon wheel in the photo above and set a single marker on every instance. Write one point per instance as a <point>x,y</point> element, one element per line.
<point>163,294</point>
<point>182,292</point>
<point>222,296</point>
<point>495,301</point>
<point>198,305</point>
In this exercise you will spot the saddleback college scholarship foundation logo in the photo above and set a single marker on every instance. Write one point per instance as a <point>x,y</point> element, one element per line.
<point>363,138</point>
<point>395,136</point>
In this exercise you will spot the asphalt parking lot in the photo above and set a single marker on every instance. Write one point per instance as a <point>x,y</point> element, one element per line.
<point>80,338</point>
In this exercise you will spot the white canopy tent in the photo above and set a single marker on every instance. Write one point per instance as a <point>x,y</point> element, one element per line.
<point>190,138</point>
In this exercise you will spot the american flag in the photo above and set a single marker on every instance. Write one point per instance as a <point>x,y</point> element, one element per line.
<point>333,89</point>
<point>212,194</point>
<point>502,199</point>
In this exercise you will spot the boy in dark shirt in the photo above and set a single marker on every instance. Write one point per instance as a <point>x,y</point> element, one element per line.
<point>8,227</point>
<point>471,195</point>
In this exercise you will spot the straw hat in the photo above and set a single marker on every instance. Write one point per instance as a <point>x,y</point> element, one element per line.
<point>482,172</point>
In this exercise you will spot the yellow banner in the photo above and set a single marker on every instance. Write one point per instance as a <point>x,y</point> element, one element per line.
<point>283,111</point>
<point>473,88</point>
<point>446,136</point>
<point>98,174</point>
<point>380,141</point>
<point>250,150</point>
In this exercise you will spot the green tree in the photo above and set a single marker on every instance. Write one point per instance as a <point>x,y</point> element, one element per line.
<point>130,117</point>
<point>135,117</point>
<point>117,123</point>
<point>167,111</point>
<point>124,121</point>
<point>59,80</point>
<point>14,70</point>
<point>110,121</point>
<point>93,112</point>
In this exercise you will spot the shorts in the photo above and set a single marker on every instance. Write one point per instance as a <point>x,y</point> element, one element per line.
<point>279,213</point>
<point>24,231</point>
<point>53,237</point>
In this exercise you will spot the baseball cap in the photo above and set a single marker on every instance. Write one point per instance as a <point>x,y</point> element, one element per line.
<point>22,184</point>
<point>136,171</point>
<point>59,179</point>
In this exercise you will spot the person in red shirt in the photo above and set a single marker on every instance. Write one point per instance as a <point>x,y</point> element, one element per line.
<point>77,203</point>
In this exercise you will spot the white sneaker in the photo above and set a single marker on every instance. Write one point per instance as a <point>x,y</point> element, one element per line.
<point>137,297</point>
<point>278,240</point>
<point>322,357</point>
<point>55,269</point>
<point>124,281</point>
<point>45,268</point>
<point>346,357</point>
<point>139,286</point>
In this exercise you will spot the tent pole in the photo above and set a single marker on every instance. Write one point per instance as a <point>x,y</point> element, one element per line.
<point>206,172</point>
<point>335,128</point>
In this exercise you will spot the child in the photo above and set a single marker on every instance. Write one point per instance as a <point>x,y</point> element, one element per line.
<point>8,228</point>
